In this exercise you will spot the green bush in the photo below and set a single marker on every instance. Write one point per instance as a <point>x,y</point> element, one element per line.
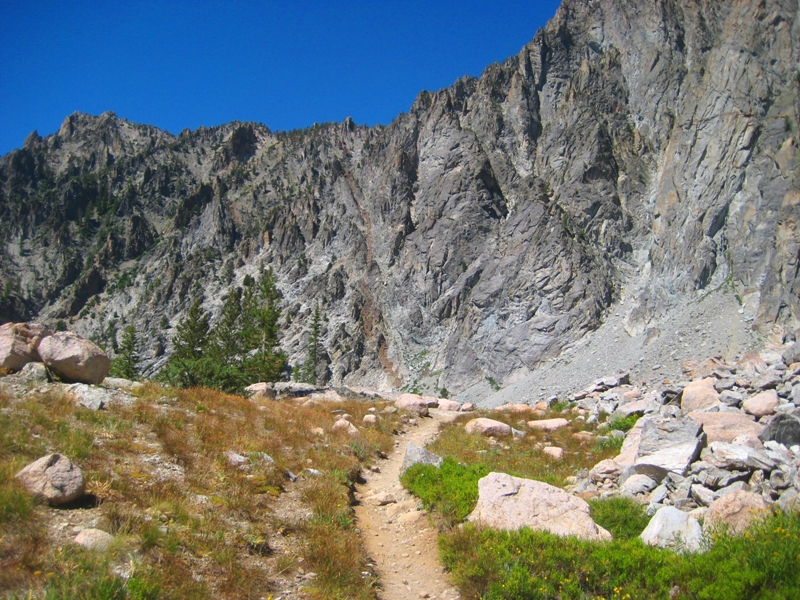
<point>451,490</point>
<point>622,517</point>
<point>762,563</point>
<point>623,423</point>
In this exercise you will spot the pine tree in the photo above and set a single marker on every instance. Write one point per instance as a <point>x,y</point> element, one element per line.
<point>124,364</point>
<point>187,365</point>
<point>314,351</point>
<point>260,314</point>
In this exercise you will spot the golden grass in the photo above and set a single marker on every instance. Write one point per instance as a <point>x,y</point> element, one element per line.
<point>186,522</point>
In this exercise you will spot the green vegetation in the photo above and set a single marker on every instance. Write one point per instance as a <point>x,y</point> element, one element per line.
<point>762,563</point>
<point>623,423</point>
<point>308,372</point>
<point>451,490</point>
<point>488,564</point>
<point>124,364</point>
<point>239,349</point>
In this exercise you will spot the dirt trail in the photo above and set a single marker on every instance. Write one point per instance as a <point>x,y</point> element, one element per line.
<point>398,537</point>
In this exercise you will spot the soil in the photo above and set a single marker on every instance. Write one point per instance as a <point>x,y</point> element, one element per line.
<point>398,535</point>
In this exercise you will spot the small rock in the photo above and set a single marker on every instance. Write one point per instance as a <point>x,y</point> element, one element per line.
<point>55,478</point>
<point>554,452</point>
<point>449,405</point>
<point>467,407</point>
<point>94,539</point>
<point>548,424</point>
<point>370,419</point>
<point>346,426</point>
<point>416,455</point>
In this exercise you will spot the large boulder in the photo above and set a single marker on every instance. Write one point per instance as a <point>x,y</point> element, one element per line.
<point>673,528</point>
<point>668,445</point>
<point>19,344</point>
<point>509,503</point>
<point>735,510</point>
<point>488,427</point>
<point>725,426</point>
<point>74,358</point>
<point>412,403</point>
<point>699,395</point>
<point>54,478</point>
<point>416,456</point>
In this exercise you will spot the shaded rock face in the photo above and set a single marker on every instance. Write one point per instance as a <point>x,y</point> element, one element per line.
<point>649,147</point>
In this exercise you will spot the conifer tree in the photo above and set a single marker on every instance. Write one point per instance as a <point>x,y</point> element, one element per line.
<point>124,364</point>
<point>308,372</point>
<point>186,368</point>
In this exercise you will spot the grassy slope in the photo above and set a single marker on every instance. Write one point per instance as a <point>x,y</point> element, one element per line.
<point>186,523</point>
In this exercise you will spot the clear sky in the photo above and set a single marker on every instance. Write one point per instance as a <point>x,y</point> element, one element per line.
<point>286,64</point>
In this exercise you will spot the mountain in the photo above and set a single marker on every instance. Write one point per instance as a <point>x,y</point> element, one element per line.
<point>645,150</point>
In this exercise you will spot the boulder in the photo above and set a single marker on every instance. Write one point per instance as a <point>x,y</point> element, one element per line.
<point>605,469</point>
<point>419,456</point>
<point>370,419</point>
<point>630,447</point>
<point>510,503</point>
<point>724,426</point>
<point>54,478</point>
<point>673,528</point>
<point>736,457</point>
<point>699,395</point>
<point>412,403</point>
<point>762,404</point>
<point>668,444</point>
<point>736,510</point>
<point>548,424</point>
<point>513,408</point>
<point>488,427</point>
<point>467,407</point>
<point>74,358</point>
<point>449,405</point>
<point>637,484</point>
<point>19,344</point>
<point>94,539</point>
<point>346,426</point>
<point>784,429</point>
<point>260,391</point>
<point>89,396</point>
<point>554,452</point>
<point>295,389</point>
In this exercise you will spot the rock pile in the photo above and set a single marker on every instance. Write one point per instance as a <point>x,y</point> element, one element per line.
<point>731,432</point>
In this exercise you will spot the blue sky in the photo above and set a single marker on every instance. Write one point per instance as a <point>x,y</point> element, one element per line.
<point>286,64</point>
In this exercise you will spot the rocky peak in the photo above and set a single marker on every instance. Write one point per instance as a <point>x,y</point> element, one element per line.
<point>645,152</point>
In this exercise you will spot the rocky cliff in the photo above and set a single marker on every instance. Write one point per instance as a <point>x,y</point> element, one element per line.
<point>645,150</point>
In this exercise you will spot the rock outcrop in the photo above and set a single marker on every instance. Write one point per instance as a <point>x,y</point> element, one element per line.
<point>645,147</point>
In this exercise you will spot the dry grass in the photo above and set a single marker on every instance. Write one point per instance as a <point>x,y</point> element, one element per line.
<point>187,523</point>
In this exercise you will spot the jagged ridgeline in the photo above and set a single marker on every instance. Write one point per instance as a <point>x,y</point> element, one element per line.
<point>638,148</point>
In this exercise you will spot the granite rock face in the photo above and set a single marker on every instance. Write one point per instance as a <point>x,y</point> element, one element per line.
<point>650,147</point>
